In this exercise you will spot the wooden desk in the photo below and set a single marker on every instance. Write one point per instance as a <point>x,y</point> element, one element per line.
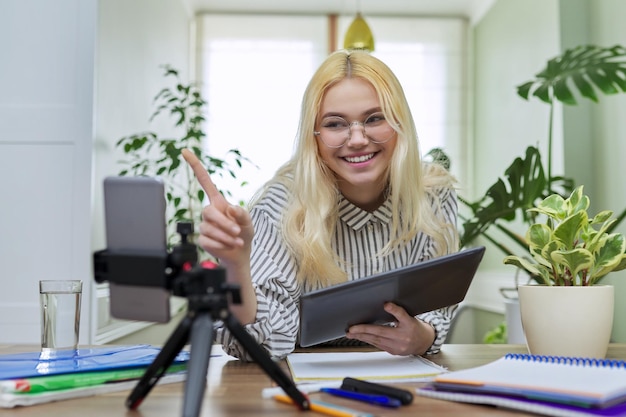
<point>234,390</point>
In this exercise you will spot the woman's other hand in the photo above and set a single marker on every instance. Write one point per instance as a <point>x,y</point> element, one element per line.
<point>407,335</point>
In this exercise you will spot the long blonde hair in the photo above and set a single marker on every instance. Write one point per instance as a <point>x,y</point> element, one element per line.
<point>309,222</point>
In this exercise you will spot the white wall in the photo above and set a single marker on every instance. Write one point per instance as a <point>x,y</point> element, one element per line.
<point>508,50</point>
<point>46,78</point>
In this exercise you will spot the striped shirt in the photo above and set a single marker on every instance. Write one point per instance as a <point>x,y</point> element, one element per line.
<point>360,235</point>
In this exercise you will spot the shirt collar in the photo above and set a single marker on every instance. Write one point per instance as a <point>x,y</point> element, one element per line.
<point>357,218</point>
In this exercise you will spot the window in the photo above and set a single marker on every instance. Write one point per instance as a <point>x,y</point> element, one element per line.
<point>254,71</point>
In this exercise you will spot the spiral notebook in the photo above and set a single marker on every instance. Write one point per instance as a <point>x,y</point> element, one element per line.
<point>524,404</point>
<point>579,382</point>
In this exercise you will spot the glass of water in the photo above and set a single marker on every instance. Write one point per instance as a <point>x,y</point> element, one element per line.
<point>60,314</point>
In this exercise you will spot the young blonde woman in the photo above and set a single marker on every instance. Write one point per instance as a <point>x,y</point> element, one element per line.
<point>355,199</point>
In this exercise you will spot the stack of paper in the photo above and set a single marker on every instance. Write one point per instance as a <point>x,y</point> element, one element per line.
<point>34,378</point>
<point>371,366</point>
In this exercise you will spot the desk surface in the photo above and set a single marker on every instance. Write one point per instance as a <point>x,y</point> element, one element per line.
<point>234,390</point>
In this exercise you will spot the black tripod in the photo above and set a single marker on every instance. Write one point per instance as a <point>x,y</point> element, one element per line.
<point>206,290</point>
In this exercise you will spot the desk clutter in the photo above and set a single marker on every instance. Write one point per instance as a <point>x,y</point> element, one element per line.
<point>357,390</point>
<point>37,377</point>
<point>352,375</point>
<point>545,385</point>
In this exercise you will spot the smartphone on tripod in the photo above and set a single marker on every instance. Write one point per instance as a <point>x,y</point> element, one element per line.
<point>135,222</point>
<point>136,245</point>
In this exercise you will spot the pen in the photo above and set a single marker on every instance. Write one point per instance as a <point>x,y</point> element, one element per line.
<point>366,387</point>
<point>368,398</point>
<point>303,388</point>
<point>326,408</point>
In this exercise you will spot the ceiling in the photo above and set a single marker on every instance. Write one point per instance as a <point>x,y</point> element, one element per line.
<point>472,9</point>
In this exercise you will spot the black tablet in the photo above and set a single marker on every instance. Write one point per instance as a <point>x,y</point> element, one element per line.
<point>326,314</point>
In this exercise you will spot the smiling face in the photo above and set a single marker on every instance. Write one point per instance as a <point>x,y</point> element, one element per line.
<point>360,165</point>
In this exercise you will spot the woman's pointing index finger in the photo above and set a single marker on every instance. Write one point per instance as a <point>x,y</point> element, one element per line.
<point>202,175</point>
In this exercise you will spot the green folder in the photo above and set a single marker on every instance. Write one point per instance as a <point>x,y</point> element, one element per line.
<point>76,380</point>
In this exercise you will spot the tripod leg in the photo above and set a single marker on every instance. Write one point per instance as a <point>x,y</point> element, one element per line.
<point>201,343</point>
<point>270,367</point>
<point>164,359</point>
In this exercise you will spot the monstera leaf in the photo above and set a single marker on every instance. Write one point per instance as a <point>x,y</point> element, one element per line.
<point>523,185</point>
<point>587,67</point>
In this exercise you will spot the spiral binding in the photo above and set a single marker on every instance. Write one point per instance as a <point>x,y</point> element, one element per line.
<point>568,360</point>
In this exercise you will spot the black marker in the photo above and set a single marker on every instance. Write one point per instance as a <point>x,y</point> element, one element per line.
<point>365,387</point>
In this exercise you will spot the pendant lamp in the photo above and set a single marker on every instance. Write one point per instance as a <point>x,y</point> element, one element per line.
<point>359,35</point>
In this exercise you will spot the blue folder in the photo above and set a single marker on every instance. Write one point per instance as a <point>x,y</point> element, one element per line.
<point>32,364</point>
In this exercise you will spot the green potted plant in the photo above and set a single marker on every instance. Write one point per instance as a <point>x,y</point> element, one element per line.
<point>569,313</point>
<point>148,153</point>
<point>584,71</point>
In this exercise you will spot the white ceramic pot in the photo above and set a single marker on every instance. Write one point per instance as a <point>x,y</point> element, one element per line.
<point>567,321</point>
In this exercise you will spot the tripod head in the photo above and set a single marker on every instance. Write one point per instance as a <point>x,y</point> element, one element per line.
<point>178,272</point>
<point>146,267</point>
<point>204,283</point>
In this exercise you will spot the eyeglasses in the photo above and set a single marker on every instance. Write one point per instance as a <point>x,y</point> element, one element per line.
<point>335,131</point>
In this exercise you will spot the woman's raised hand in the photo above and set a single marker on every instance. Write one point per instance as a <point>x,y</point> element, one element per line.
<point>226,230</point>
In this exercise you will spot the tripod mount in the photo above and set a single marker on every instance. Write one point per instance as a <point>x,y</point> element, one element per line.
<point>207,292</point>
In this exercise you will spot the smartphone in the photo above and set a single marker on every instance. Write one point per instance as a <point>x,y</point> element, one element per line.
<point>134,214</point>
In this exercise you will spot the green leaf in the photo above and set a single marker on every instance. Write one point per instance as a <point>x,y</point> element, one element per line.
<point>545,257</point>
<point>602,82</point>
<point>577,201</point>
<point>576,261</point>
<point>563,93</point>
<point>552,206</point>
<point>604,67</point>
<point>618,78</point>
<point>538,236</point>
<point>524,89</point>
<point>567,232</point>
<point>544,93</point>
<point>535,270</point>
<point>584,87</point>
<point>524,184</point>
<point>609,255</point>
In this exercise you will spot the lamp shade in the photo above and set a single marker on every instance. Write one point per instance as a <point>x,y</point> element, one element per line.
<point>359,35</point>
